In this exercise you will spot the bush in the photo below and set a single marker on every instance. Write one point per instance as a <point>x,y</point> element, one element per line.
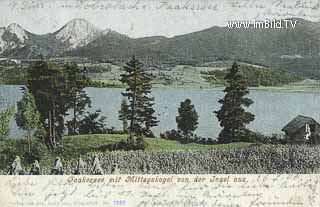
<point>171,135</point>
<point>178,136</point>
<point>38,151</point>
<point>11,148</point>
<point>93,123</point>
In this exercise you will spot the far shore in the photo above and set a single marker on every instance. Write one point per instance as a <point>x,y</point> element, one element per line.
<point>287,88</point>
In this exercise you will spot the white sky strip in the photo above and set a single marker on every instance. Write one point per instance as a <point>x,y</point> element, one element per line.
<point>140,18</point>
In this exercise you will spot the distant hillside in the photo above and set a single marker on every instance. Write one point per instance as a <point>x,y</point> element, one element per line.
<point>293,49</point>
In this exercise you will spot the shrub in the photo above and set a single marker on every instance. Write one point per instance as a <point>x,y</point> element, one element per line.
<point>178,136</point>
<point>171,135</point>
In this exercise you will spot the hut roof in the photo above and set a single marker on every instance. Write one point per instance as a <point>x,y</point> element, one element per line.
<point>297,123</point>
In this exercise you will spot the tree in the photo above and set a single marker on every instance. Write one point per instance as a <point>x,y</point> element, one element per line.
<point>27,116</point>
<point>232,115</point>
<point>76,80</point>
<point>150,119</point>
<point>140,111</point>
<point>5,117</point>
<point>47,83</point>
<point>187,120</point>
<point>123,115</point>
<point>92,123</point>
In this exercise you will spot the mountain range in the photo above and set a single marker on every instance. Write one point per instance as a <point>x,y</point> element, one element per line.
<point>292,49</point>
<point>16,42</point>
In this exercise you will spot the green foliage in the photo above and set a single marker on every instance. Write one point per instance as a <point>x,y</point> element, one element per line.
<point>140,110</point>
<point>170,157</point>
<point>136,143</point>
<point>47,83</point>
<point>27,116</point>
<point>101,84</point>
<point>232,116</point>
<point>255,76</point>
<point>76,80</point>
<point>141,144</point>
<point>11,148</point>
<point>57,89</point>
<point>268,77</point>
<point>92,123</point>
<point>187,120</point>
<point>179,136</point>
<point>124,114</point>
<point>12,75</point>
<point>5,117</point>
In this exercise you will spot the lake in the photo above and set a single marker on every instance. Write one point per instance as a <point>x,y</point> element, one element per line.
<point>272,109</point>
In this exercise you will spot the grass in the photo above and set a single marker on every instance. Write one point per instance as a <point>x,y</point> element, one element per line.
<point>169,157</point>
<point>72,147</point>
<point>91,142</point>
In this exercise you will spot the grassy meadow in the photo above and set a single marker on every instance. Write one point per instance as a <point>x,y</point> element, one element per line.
<point>166,156</point>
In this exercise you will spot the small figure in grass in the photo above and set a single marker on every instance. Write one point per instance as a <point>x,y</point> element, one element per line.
<point>57,167</point>
<point>16,167</point>
<point>96,166</point>
<point>81,167</point>
<point>35,168</point>
<point>114,169</point>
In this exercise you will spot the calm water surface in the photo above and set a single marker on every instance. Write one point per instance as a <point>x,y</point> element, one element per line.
<point>273,109</point>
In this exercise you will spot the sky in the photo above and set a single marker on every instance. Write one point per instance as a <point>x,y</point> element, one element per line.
<point>141,18</point>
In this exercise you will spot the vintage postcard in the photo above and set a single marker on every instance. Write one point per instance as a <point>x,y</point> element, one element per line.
<point>159,103</point>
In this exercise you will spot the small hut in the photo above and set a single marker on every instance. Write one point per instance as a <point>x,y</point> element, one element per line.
<point>302,129</point>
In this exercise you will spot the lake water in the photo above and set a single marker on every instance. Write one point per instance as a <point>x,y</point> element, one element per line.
<point>272,109</point>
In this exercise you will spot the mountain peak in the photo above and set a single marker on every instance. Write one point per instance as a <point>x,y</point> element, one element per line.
<point>15,25</point>
<point>79,21</point>
<point>18,30</point>
<point>77,33</point>
<point>12,37</point>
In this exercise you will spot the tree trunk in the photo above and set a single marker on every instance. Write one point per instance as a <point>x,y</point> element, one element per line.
<point>50,128</point>
<point>53,124</point>
<point>74,114</point>
<point>133,104</point>
<point>29,141</point>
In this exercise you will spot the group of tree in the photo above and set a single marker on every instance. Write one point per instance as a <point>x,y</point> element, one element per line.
<point>139,112</point>
<point>255,76</point>
<point>50,92</point>
<point>232,116</point>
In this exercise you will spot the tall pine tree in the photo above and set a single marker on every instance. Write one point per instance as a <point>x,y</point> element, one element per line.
<point>140,107</point>
<point>77,79</point>
<point>232,115</point>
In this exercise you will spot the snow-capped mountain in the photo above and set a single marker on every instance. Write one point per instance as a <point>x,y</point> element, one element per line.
<point>77,33</point>
<point>12,37</point>
<point>19,43</point>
